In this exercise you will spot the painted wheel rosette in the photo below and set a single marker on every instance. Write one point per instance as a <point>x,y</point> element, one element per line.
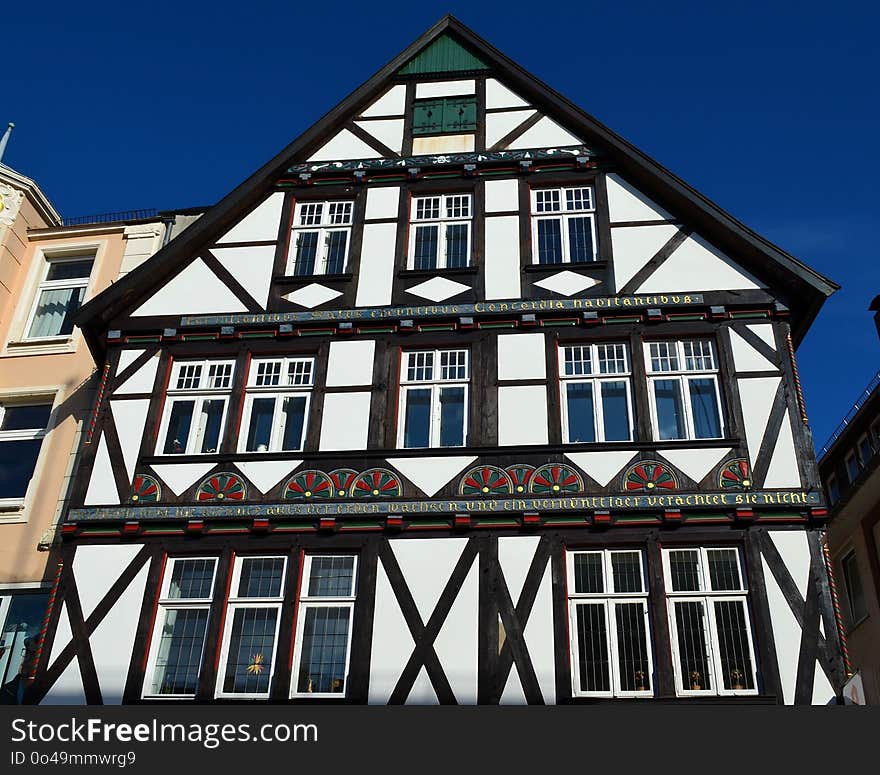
<point>555,479</point>
<point>649,476</point>
<point>343,481</point>
<point>308,484</point>
<point>377,483</point>
<point>485,480</point>
<point>221,487</point>
<point>735,475</point>
<point>520,476</point>
<point>145,489</point>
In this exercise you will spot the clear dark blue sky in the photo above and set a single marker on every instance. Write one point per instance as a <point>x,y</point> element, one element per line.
<point>769,108</point>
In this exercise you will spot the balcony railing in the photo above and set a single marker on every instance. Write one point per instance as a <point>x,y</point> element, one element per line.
<point>122,215</point>
<point>860,402</point>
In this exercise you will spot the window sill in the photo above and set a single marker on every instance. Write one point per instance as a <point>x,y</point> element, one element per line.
<point>12,511</point>
<point>289,279</point>
<point>579,265</point>
<point>413,273</point>
<point>49,345</point>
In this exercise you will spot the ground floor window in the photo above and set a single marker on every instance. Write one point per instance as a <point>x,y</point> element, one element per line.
<point>21,617</point>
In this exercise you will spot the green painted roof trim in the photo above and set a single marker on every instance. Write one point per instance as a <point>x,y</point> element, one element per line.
<point>444,55</point>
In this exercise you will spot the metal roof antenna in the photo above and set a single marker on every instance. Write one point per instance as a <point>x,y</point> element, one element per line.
<point>5,139</point>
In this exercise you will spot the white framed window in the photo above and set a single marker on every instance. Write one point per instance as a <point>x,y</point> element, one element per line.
<point>433,399</point>
<point>323,629</point>
<point>440,231</point>
<point>177,646</point>
<point>21,616</point>
<point>833,489</point>
<point>855,592</point>
<point>59,295</point>
<point>608,624</point>
<point>563,225</point>
<point>707,600</point>
<point>320,237</point>
<point>683,387</point>
<point>853,465</point>
<point>194,416</point>
<point>250,632</point>
<point>276,407</point>
<point>22,429</point>
<point>596,397</point>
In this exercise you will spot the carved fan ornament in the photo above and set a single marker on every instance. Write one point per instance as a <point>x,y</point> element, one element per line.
<point>649,476</point>
<point>485,480</point>
<point>735,475</point>
<point>555,479</point>
<point>221,487</point>
<point>308,484</point>
<point>145,489</point>
<point>377,482</point>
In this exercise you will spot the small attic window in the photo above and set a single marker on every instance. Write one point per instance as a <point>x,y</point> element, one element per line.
<point>447,115</point>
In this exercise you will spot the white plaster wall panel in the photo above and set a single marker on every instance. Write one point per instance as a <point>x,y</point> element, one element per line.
<point>377,265</point>
<point>113,640</point>
<point>351,363</point>
<point>445,88</point>
<point>382,202</point>
<point>312,295</point>
<point>425,146</point>
<point>502,196</point>
<point>438,289</point>
<point>252,267</point>
<point>265,474</point>
<point>513,693</point>
<point>634,246</point>
<point>345,145</point>
<point>746,357</point>
<point>345,421</point>
<point>102,485</point>
<point>695,265</point>
<point>96,569</point>
<point>195,291</point>
<point>627,203</point>
<point>142,380</point>
<point>392,642</point>
<point>426,565</point>
<point>756,395</point>
<point>765,331</point>
<point>567,283</point>
<point>515,555</point>
<point>126,358</point>
<point>389,132</point>
<point>499,96</point>
<point>522,356</point>
<point>522,415</point>
<point>546,133</point>
<point>502,269</point>
<point>430,474</point>
<point>130,418</point>
<point>181,476</point>
<point>422,692</point>
<point>602,467</point>
<point>259,225</point>
<point>786,634</point>
<point>696,463</point>
<point>823,692</point>
<point>794,549</point>
<point>499,125</point>
<point>63,634</point>
<point>68,689</point>
<point>457,643</point>
<point>391,103</point>
<point>538,635</point>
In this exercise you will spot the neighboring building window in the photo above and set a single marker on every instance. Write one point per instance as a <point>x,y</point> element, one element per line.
<point>195,408</point>
<point>595,386</point>
<point>21,616</point>
<point>178,643</point>
<point>563,225</point>
<point>855,593</point>
<point>276,405</point>
<point>833,489</point>
<point>446,115</point>
<point>866,450</point>
<point>250,638</point>
<point>433,399</point>
<point>440,232</point>
<point>608,621</point>
<point>709,620</point>
<point>683,388</point>
<point>22,428</point>
<point>323,631</point>
<point>320,238</point>
<point>59,296</point>
<point>853,465</point>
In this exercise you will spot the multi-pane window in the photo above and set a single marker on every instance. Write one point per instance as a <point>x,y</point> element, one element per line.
<point>59,296</point>
<point>178,644</point>
<point>855,593</point>
<point>21,615</point>
<point>683,389</point>
<point>563,225</point>
<point>866,449</point>
<point>853,465</point>
<point>707,601</point>
<point>22,428</point>
<point>608,624</point>
<point>433,398</point>
<point>440,233</point>
<point>833,489</point>
<point>320,238</point>
<point>250,634</point>
<point>323,631</point>
<point>595,387</point>
<point>195,407</point>
<point>276,407</point>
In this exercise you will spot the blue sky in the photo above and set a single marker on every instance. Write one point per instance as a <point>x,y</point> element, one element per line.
<point>770,109</point>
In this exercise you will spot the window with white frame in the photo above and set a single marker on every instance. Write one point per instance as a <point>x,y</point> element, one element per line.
<point>855,592</point>
<point>433,399</point>
<point>177,647</point>
<point>195,407</point>
<point>853,465</point>
<point>596,398</point>
<point>707,600</point>
<point>440,232</point>
<point>683,388</point>
<point>608,624</point>
<point>276,406</point>
<point>320,238</point>
<point>323,630</point>
<point>22,429</point>
<point>59,295</point>
<point>21,616</point>
<point>563,225</point>
<point>250,637</point>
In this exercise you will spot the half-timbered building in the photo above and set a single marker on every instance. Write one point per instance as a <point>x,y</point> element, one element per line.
<point>461,398</point>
